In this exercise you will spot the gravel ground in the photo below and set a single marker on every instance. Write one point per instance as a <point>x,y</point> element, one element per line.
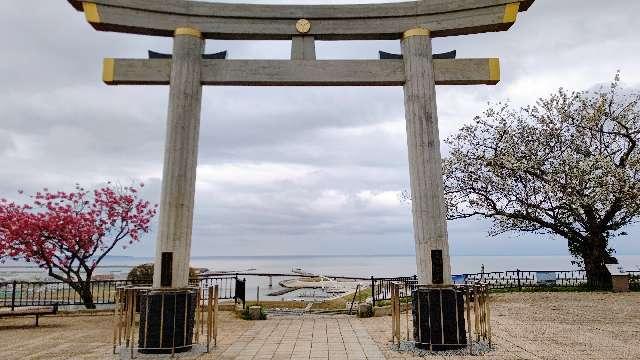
<point>525,326</point>
<point>547,326</point>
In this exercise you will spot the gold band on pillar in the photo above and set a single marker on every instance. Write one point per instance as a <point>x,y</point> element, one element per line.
<point>188,32</point>
<point>416,32</point>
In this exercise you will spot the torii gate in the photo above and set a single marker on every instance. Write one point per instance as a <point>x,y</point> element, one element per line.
<point>187,70</point>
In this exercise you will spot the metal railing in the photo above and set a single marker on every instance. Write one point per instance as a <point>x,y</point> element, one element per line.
<point>634,280</point>
<point>523,279</point>
<point>382,288</point>
<point>41,293</point>
<point>516,279</point>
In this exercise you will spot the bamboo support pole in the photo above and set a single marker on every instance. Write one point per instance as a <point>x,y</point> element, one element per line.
<point>398,313</point>
<point>121,328</point>
<point>209,316</point>
<point>407,320</point>
<point>481,311</point>
<point>197,315</point>
<point>484,314</point>
<point>489,318</point>
<point>125,309</point>
<point>133,321</point>
<point>393,314</point>
<point>476,311</point>
<point>126,316</point>
<point>202,308</point>
<point>467,300</point>
<point>215,316</point>
<point>115,323</point>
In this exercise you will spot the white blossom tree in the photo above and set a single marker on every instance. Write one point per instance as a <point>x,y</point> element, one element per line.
<point>569,166</point>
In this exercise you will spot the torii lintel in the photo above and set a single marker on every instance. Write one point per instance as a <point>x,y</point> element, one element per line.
<point>325,22</point>
<point>302,72</point>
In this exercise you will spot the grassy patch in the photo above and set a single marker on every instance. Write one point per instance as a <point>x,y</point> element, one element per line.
<point>279,304</point>
<point>403,300</point>
<point>341,302</point>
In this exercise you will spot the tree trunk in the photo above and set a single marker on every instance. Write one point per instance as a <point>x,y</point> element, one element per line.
<point>595,256</point>
<point>85,294</point>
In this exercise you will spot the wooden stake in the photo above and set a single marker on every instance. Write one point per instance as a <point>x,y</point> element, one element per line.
<point>127,315</point>
<point>209,317</point>
<point>202,309</point>
<point>407,318</point>
<point>476,311</point>
<point>115,323</point>
<point>488,318</point>
<point>133,321</point>
<point>215,316</point>
<point>393,315</point>
<point>398,333</point>
<point>467,300</point>
<point>198,316</point>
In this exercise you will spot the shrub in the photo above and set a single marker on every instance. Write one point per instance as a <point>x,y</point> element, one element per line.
<point>246,315</point>
<point>143,274</point>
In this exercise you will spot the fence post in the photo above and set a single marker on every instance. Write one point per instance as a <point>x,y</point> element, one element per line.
<point>244,293</point>
<point>354,298</point>
<point>373,292</point>
<point>519,285</point>
<point>235,285</point>
<point>13,296</point>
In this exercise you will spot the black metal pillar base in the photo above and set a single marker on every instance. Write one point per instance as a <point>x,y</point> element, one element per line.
<point>438,319</point>
<point>166,321</point>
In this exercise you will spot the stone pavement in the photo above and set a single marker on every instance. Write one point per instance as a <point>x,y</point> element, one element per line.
<point>306,337</point>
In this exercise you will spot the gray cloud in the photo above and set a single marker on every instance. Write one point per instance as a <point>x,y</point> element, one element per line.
<point>282,171</point>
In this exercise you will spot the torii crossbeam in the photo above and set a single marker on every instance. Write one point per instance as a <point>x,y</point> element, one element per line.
<point>441,324</point>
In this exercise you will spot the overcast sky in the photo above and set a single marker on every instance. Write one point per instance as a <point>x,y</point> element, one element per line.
<point>282,170</point>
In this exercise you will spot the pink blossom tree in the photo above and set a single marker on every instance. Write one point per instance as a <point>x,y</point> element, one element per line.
<point>69,233</point>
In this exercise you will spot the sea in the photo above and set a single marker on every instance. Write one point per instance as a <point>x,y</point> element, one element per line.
<point>337,265</point>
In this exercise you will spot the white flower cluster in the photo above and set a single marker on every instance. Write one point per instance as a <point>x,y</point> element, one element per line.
<point>569,165</point>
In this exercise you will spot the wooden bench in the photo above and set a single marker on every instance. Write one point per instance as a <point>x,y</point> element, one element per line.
<point>36,311</point>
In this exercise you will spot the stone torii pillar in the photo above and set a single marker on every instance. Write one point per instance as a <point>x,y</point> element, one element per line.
<point>173,245</point>
<point>425,163</point>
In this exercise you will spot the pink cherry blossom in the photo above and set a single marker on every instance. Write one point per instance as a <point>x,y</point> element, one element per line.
<point>69,233</point>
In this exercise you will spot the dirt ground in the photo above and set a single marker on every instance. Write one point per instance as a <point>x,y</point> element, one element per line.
<point>525,326</point>
<point>550,326</point>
